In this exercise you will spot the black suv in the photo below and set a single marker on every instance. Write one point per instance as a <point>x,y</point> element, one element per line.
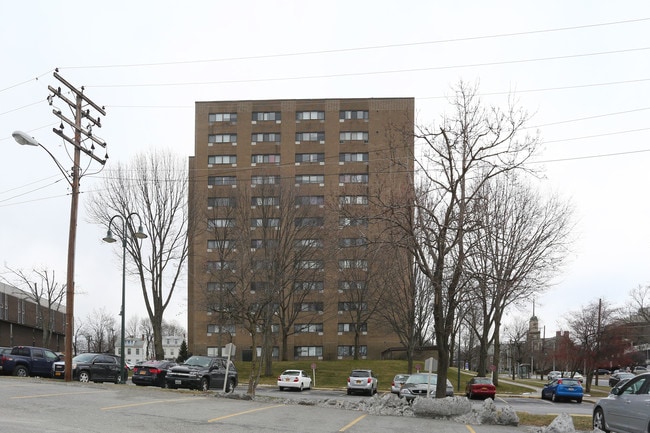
<point>204,373</point>
<point>96,367</point>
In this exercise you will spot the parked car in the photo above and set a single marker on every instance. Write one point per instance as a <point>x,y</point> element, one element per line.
<point>397,382</point>
<point>564,388</point>
<point>615,378</point>
<point>364,381</point>
<point>480,387</point>
<point>639,369</point>
<point>625,409</point>
<point>91,367</point>
<point>28,361</point>
<point>552,375</point>
<point>420,383</point>
<point>297,379</point>
<point>602,371</point>
<point>204,373</point>
<point>152,373</point>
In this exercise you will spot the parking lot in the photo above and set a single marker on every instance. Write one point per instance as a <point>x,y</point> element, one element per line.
<point>32,404</point>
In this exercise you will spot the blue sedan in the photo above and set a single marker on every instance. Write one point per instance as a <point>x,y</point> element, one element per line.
<point>563,388</point>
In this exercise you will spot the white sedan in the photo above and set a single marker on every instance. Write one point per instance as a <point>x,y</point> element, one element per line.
<point>298,379</point>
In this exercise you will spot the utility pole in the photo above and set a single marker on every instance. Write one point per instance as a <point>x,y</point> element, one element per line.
<point>78,106</point>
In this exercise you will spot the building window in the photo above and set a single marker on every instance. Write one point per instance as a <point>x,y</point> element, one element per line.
<point>352,285</point>
<point>310,200</point>
<point>353,199</point>
<point>222,159</point>
<point>353,136</point>
<point>353,157</point>
<point>222,117</point>
<point>259,286</point>
<point>352,242</point>
<point>309,285</point>
<point>221,287</point>
<point>310,136</point>
<point>310,157</point>
<point>222,138</point>
<point>221,222</point>
<point>265,159</point>
<point>275,328</point>
<point>266,243</point>
<point>353,178</point>
<point>305,328</point>
<point>353,264</point>
<point>265,222</point>
<point>309,306</point>
<point>221,244</point>
<point>310,115</point>
<point>349,351</point>
<point>353,115</point>
<point>222,180</point>
<point>261,116</point>
<point>265,201</point>
<point>309,243</point>
<point>353,306</point>
<point>265,180</point>
<point>220,265</point>
<point>351,327</point>
<point>266,137</point>
<point>221,329</point>
<point>310,178</point>
<point>304,351</point>
<point>353,222</point>
<point>222,202</point>
<point>309,264</point>
<point>309,222</point>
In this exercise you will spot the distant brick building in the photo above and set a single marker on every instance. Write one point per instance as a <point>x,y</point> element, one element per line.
<point>21,320</point>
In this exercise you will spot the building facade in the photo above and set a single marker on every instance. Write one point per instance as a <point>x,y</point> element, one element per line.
<point>284,234</point>
<point>22,320</point>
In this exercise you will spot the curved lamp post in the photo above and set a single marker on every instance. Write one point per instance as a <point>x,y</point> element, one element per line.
<point>73,180</point>
<point>140,234</point>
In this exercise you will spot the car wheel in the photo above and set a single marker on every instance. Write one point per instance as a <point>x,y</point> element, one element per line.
<point>205,384</point>
<point>281,389</point>
<point>599,420</point>
<point>170,386</point>
<point>302,386</point>
<point>349,392</point>
<point>554,398</point>
<point>471,396</point>
<point>579,400</point>
<point>84,376</point>
<point>230,385</point>
<point>21,371</point>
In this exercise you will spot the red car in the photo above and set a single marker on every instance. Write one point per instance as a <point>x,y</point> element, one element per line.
<point>480,387</point>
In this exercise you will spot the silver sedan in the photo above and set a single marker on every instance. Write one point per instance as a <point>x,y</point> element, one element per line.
<point>626,409</point>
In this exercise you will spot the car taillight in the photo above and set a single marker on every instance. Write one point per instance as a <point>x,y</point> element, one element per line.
<point>279,378</point>
<point>154,370</point>
<point>370,380</point>
<point>295,379</point>
<point>392,383</point>
<point>559,382</point>
<point>348,380</point>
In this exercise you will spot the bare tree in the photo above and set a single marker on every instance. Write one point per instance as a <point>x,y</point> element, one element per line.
<point>100,331</point>
<point>516,334</point>
<point>519,245</point>
<point>591,331</point>
<point>638,307</point>
<point>47,296</point>
<point>464,152</point>
<point>155,186</point>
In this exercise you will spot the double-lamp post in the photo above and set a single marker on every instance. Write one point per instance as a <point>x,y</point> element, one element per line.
<point>140,234</point>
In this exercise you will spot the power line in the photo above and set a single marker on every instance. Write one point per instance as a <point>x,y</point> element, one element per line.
<point>367,48</point>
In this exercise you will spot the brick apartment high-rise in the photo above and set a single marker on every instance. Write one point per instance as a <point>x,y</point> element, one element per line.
<point>308,170</point>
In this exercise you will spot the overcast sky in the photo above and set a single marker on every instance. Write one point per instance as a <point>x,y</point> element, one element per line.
<point>581,68</point>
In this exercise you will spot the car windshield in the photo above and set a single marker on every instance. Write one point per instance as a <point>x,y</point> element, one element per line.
<point>291,373</point>
<point>198,361</point>
<point>84,357</point>
<point>359,373</point>
<point>401,377</point>
<point>422,378</point>
<point>569,382</point>
<point>483,380</point>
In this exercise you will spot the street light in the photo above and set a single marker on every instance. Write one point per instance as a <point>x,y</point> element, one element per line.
<point>140,234</point>
<point>73,179</point>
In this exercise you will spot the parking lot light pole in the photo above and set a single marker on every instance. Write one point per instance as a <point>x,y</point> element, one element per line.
<point>140,234</point>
